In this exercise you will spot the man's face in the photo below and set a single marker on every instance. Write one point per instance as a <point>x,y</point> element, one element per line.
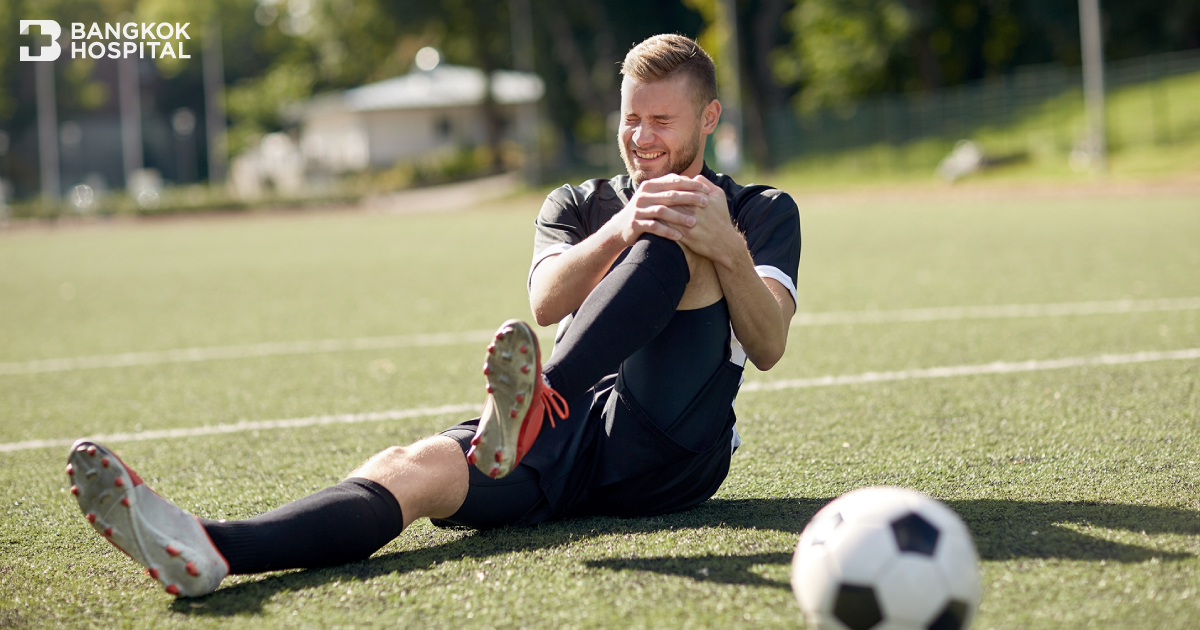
<point>660,129</point>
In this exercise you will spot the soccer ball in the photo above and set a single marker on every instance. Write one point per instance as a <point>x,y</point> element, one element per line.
<point>886,558</point>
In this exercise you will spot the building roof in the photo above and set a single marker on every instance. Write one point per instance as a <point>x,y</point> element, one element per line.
<point>444,86</point>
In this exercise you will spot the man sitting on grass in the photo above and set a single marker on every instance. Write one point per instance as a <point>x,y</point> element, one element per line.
<point>665,281</point>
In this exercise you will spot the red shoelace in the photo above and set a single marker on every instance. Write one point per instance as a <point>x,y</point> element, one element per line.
<point>554,404</point>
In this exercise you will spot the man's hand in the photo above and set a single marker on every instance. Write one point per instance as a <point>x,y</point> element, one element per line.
<point>711,233</point>
<point>664,206</point>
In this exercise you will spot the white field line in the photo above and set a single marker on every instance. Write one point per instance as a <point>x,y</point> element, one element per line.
<point>189,355</point>
<point>259,425</point>
<point>1000,311</point>
<point>999,367</point>
<point>952,313</point>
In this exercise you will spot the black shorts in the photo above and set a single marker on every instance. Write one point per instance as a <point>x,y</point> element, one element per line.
<point>611,458</point>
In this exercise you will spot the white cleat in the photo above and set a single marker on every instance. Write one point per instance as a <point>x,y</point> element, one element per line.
<point>517,402</point>
<point>170,543</point>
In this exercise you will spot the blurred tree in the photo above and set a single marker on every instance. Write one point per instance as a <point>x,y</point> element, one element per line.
<point>815,51</point>
<point>842,49</point>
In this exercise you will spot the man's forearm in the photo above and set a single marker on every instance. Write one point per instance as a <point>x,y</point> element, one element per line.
<point>561,283</point>
<point>758,314</point>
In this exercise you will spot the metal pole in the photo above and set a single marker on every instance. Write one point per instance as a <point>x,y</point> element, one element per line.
<point>47,129</point>
<point>1093,83</point>
<point>521,17</point>
<point>214,102</point>
<point>130,99</point>
<point>729,140</point>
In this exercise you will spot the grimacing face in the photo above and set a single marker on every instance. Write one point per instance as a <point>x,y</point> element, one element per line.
<point>661,131</point>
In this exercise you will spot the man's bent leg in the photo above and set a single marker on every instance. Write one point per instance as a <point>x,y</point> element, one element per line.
<point>628,308</point>
<point>624,312</point>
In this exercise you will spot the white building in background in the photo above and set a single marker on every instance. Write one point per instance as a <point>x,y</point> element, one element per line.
<point>408,117</point>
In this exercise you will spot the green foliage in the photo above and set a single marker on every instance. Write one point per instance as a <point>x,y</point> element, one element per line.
<point>256,104</point>
<point>840,48</point>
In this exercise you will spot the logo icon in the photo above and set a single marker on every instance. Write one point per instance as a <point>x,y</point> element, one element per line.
<point>45,52</point>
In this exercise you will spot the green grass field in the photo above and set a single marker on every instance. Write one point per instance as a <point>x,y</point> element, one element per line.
<point>1079,484</point>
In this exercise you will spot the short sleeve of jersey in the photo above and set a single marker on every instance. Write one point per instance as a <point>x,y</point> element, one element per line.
<point>770,221</point>
<point>560,223</point>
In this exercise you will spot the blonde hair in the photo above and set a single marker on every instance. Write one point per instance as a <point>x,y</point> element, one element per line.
<point>665,56</point>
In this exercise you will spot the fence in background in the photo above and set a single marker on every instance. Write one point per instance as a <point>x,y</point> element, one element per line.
<point>1042,104</point>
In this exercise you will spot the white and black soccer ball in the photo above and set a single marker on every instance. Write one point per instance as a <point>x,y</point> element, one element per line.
<point>884,558</point>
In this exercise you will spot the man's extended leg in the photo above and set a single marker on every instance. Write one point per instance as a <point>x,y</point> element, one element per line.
<point>353,519</point>
<point>343,523</point>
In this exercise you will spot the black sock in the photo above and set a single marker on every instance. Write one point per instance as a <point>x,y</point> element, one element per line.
<point>340,524</point>
<point>631,305</point>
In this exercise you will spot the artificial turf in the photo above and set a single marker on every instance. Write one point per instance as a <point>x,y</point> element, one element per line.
<point>1079,485</point>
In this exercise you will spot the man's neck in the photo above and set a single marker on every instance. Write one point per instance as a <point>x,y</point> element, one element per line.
<point>697,164</point>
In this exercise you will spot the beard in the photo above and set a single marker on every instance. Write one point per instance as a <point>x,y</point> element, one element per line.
<point>677,161</point>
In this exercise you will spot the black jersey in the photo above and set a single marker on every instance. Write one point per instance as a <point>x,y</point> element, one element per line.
<point>767,216</point>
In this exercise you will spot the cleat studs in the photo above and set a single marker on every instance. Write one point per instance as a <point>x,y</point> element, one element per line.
<point>81,448</point>
<point>75,490</point>
<point>494,471</point>
<point>104,462</point>
<point>490,389</point>
<point>491,348</point>
<point>91,517</point>
<point>171,551</point>
<point>499,456</point>
<point>108,532</point>
<point>524,348</point>
<point>173,589</point>
<point>525,369</point>
<point>191,569</point>
<point>486,370</point>
<point>118,482</point>
<point>520,398</point>
<point>152,572</point>
<point>512,413</point>
<point>471,457</point>
<point>70,469</point>
<point>475,441</point>
<point>125,501</point>
<point>91,450</point>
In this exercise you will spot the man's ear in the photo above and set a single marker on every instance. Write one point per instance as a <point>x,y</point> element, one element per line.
<point>710,117</point>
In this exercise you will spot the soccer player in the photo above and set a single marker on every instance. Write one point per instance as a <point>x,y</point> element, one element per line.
<point>664,282</point>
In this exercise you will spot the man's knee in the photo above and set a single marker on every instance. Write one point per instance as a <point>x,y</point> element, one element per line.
<point>428,455</point>
<point>664,251</point>
<point>428,478</point>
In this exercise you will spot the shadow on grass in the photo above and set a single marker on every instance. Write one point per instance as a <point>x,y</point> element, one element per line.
<point>1003,530</point>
